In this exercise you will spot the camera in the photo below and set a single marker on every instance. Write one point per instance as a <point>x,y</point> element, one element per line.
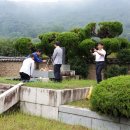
<point>92,50</point>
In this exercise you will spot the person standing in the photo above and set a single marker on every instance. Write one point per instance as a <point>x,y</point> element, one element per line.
<point>27,68</point>
<point>99,54</point>
<point>57,61</point>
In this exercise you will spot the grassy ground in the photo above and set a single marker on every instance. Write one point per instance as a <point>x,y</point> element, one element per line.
<point>82,103</point>
<point>65,84</point>
<point>19,121</point>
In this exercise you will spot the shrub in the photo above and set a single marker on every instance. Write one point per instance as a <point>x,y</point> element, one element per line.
<point>90,30</point>
<point>115,70</point>
<point>47,42</point>
<point>81,33</point>
<point>114,44</point>
<point>7,47</point>
<point>124,42</point>
<point>80,66</point>
<point>23,46</point>
<point>111,45</point>
<point>70,41</point>
<point>124,56</point>
<point>110,29</point>
<point>112,97</point>
<point>86,45</point>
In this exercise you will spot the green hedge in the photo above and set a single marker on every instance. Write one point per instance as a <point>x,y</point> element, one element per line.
<point>80,66</point>
<point>115,70</point>
<point>124,56</point>
<point>112,97</point>
<point>23,45</point>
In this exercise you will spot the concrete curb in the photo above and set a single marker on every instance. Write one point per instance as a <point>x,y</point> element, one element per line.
<point>10,98</point>
<point>85,117</point>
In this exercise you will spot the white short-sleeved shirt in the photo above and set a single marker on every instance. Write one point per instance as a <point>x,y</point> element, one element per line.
<point>98,57</point>
<point>27,66</point>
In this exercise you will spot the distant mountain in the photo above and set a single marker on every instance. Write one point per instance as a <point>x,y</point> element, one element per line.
<point>22,19</point>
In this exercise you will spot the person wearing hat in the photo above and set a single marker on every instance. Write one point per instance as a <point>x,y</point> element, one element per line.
<point>57,61</point>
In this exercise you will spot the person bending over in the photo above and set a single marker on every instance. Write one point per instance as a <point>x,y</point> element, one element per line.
<point>27,68</point>
<point>36,56</point>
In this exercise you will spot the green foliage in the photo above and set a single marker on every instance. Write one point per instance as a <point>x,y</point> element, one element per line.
<point>115,70</point>
<point>124,43</point>
<point>85,47</point>
<point>90,30</point>
<point>47,42</point>
<point>114,44</point>
<point>112,97</point>
<point>7,47</point>
<point>124,56</point>
<point>110,29</point>
<point>23,46</point>
<point>70,41</point>
<point>81,103</point>
<point>80,32</point>
<point>45,57</point>
<point>21,121</point>
<point>66,84</point>
<point>79,65</point>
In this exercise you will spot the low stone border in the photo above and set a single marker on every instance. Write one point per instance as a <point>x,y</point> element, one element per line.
<point>90,119</point>
<point>9,98</point>
<point>52,97</point>
<point>49,103</point>
<point>45,102</point>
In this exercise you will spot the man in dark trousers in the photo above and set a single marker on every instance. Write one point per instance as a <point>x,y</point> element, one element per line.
<point>57,61</point>
<point>27,68</point>
<point>99,54</point>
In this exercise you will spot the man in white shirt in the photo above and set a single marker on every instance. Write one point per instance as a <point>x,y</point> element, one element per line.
<point>27,68</point>
<point>57,61</point>
<point>99,54</point>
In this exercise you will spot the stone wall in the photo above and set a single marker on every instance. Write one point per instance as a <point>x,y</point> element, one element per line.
<point>92,70</point>
<point>8,69</point>
<point>45,102</point>
<point>90,119</point>
<point>11,68</point>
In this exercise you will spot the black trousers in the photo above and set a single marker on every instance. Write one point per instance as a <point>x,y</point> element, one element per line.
<point>99,67</point>
<point>57,73</point>
<point>24,77</point>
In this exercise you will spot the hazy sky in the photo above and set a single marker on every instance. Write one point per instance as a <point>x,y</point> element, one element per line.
<point>41,0</point>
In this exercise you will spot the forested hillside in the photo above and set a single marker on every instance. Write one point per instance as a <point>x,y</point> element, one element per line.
<point>22,19</point>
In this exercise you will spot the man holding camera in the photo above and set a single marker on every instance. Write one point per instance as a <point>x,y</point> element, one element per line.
<point>99,54</point>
